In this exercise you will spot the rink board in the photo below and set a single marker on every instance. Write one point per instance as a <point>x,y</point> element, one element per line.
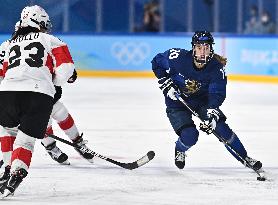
<point>250,58</point>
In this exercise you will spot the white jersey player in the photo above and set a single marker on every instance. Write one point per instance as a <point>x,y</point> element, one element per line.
<point>60,114</point>
<point>33,63</point>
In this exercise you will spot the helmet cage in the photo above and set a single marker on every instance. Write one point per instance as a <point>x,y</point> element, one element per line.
<point>207,57</point>
<point>46,25</point>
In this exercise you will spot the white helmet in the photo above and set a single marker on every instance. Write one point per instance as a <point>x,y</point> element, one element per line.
<point>35,16</point>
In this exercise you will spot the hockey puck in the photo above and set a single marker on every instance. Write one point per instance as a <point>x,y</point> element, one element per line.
<point>151,155</point>
<point>261,178</point>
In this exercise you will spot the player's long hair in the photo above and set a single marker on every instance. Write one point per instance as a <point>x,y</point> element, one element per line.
<point>24,31</point>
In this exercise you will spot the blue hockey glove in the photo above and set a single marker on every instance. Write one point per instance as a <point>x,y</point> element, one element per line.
<point>168,87</point>
<point>209,125</point>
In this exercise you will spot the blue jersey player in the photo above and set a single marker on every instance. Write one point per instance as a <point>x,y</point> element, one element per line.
<point>200,76</point>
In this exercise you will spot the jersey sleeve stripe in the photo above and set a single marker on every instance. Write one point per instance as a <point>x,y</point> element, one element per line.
<point>49,64</point>
<point>62,55</point>
<point>5,66</point>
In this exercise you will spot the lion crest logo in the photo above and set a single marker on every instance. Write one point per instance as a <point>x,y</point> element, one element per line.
<point>191,86</point>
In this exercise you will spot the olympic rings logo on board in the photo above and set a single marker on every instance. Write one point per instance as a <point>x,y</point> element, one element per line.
<point>130,52</point>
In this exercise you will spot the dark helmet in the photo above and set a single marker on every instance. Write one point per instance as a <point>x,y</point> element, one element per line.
<point>202,37</point>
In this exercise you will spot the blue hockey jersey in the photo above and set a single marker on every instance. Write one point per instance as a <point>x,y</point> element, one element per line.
<point>204,87</point>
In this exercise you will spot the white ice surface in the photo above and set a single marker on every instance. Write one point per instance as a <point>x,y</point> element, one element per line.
<point>125,118</point>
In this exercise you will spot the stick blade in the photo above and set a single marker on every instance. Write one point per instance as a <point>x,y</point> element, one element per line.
<point>140,162</point>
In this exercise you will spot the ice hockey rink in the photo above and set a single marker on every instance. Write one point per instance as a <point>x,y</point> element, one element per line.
<point>124,119</point>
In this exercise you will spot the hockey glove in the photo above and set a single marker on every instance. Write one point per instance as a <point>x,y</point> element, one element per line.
<point>73,77</point>
<point>168,88</point>
<point>209,125</point>
<point>58,94</point>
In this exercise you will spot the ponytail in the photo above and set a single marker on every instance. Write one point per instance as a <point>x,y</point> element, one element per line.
<point>24,31</point>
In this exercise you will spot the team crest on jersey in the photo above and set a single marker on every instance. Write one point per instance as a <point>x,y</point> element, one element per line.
<point>191,86</point>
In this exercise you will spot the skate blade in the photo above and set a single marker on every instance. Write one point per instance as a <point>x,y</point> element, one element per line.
<point>65,163</point>
<point>265,174</point>
<point>6,194</point>
<point>90,160</point>
<point>261,170</point>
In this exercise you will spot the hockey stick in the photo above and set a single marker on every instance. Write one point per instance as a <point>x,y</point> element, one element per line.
<point>243,161</point>
<point>133,165</point>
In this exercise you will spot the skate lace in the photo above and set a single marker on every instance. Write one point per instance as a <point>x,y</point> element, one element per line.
<point>83,143</point>
<point>6,172</point>
<point>83,148</point>
<point>180,156</point>
<point>55,152</point>
<point>3,174</point>
<point>251,161</point>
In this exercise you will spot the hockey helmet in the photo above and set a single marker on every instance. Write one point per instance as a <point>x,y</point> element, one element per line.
<point>202,38</point>
<point>35,16</point>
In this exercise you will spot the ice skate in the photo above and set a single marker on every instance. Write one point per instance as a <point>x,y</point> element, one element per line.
<point>15,179</point>
<point>253,163</point>
<point>4,177</point>
<point>81,143</point>
<point>179,159</point>
<point>56,154</point>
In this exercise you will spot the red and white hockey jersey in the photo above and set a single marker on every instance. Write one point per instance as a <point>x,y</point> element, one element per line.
<point>35,62</point>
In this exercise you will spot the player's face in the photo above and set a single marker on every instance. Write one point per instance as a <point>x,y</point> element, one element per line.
<point>202,51</point>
